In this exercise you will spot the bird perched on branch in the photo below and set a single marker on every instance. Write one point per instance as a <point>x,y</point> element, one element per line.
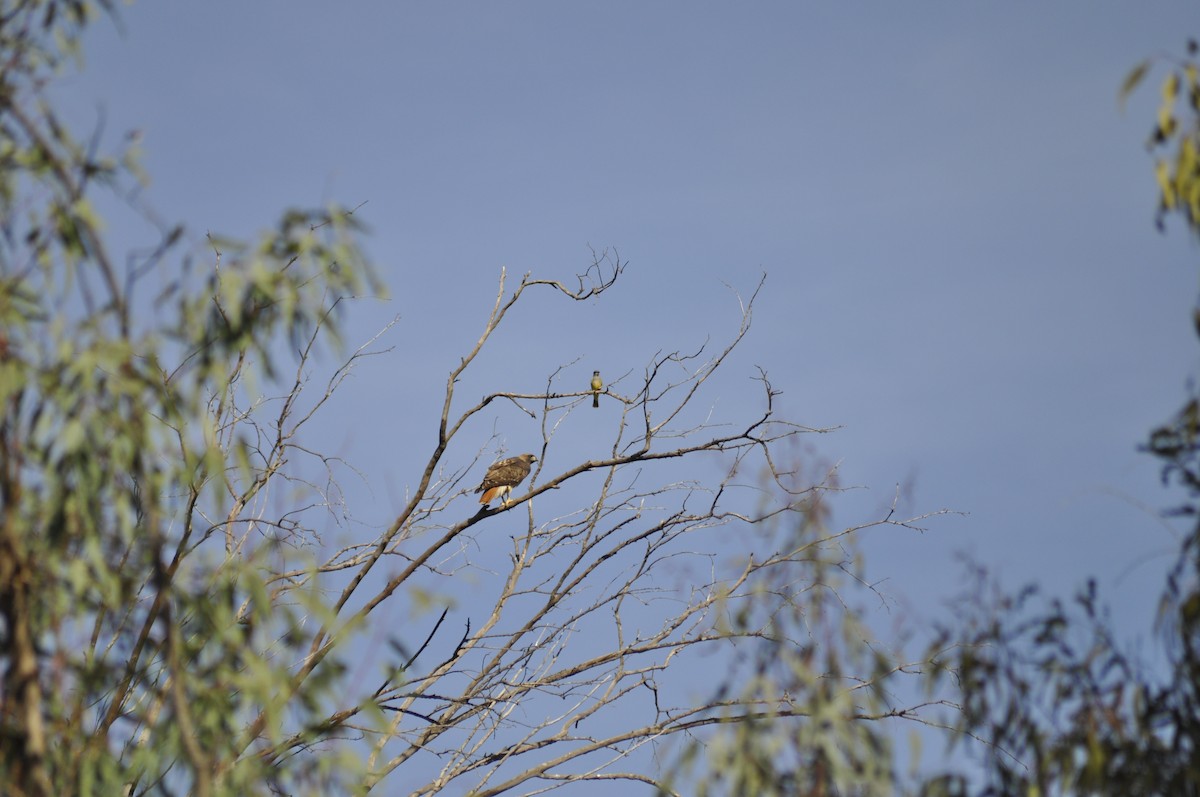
<point>597,386</point>
<point>503,476</point>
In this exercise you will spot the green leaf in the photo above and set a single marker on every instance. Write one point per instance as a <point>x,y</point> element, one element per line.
<point>1170,89</point>
<point>1163,175</point>
<point>73,436</point>
<point>1135,76</point>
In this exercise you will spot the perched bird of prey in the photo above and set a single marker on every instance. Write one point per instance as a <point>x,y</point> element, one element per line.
<point>597,386</point>
<point>503,476</point>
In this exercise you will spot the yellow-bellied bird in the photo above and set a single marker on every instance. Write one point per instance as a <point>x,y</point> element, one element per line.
<point>597,386</point>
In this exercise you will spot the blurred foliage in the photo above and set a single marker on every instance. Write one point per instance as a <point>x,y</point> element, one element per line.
<point>1064,706</point>
<point>1047,700</point>
<point>808,707</point>
<point>1175,139</point>
<point>134,648</point>
<point>144,644</point>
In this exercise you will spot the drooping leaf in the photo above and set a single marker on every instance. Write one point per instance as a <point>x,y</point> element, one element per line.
<point>1131,82</point>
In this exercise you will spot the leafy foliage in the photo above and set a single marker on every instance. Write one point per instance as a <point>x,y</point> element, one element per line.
<point>1064,706</point>
<point>826,695</point>
<point>174,620</point>
<point>1175,139</point>
<point>131,664</point>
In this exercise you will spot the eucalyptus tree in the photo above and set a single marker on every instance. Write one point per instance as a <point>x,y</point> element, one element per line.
<point>185,611</point>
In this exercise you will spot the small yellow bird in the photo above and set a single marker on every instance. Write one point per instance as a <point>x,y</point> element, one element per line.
<point>597,386</point>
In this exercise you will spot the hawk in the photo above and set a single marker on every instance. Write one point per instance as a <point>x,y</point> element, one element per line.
<point>503,476</point>
<point>597,386</point>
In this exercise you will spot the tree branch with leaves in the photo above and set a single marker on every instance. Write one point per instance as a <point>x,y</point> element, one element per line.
<point>190,606</point>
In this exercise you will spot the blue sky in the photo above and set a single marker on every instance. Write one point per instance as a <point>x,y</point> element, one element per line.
<point>955,220</point>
